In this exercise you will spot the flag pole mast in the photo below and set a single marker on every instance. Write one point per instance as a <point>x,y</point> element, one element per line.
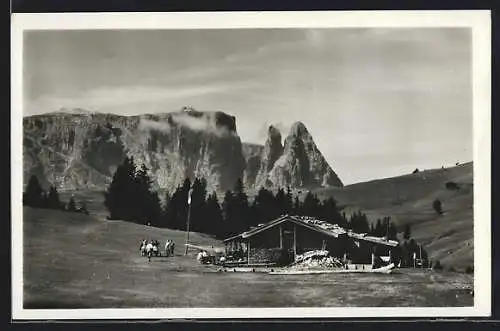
<point>188,221</point>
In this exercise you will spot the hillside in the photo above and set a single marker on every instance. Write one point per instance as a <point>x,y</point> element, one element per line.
<point>408,200</point>
<point>77,261</point>
<point>70,257</point>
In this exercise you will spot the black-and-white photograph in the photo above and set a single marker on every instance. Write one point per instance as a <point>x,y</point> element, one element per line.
<point>257,167</point>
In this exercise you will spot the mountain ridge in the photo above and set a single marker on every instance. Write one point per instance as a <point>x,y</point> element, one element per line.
<point>81,149</point>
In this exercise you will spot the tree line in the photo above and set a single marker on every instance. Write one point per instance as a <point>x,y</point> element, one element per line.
<point>35,196</point>
<point>130,197</point>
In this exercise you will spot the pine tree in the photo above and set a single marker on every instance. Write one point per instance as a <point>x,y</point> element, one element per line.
<point>71,205</point>
<point>182,205</point>
<point>280,201</point>
<point>147,203</point>
<point>198,204</point>
<point>359,223</point>
<point>213,214</point>
<point>297,206</point>
<point>407,232</point>
<point>311,205</point>
<point>53,201</point>
<point>170,210</point>
<point>34,193</point>
<point>84,208</point>
<point>288,201</point>
<point>264,206</point>
<point>379,229</point>
<point>330,212</point>
<point>119,198</point>
<point>372,230</point>
<point>437,206</point>
<point>228,214</point>
<point>165,215</point>
<point>241,218</point>
<point>393,232</point>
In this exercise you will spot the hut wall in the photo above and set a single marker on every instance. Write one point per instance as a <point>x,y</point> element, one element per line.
<point>269,238</point>
<point>309,240</point>
<point>360,251</point>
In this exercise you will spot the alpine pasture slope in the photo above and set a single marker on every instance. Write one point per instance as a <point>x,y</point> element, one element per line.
<point>78,261</point>
<point>408,200</point>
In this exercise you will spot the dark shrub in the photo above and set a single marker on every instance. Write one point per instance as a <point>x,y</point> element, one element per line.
<point>452,186</point>
<point>469,269</point>
<point>437,206</point>
<point>437,265</point>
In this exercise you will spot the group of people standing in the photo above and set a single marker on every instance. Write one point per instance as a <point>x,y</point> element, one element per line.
<point>151,248</point>
<point>169,247</point>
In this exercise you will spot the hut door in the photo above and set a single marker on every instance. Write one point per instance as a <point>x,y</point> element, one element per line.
<point>288,239</point>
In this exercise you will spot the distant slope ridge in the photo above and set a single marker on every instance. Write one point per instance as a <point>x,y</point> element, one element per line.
<point>408,200</point>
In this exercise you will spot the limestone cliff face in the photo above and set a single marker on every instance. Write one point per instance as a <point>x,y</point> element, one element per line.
<point>297,164</point>
<point>273,149</point>
<point>82,150</point>
<point>252,154</point>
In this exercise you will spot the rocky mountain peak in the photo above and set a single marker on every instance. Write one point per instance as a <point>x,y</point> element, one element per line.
<point>296,163</point>
<point>298,129</point>
<point>302,164</point>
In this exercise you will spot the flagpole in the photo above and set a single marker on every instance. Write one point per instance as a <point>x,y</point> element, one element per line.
<point>188,221</point>
<point>421,260</point>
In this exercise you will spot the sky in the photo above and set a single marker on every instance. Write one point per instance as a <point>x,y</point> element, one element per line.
<point>379,102</point>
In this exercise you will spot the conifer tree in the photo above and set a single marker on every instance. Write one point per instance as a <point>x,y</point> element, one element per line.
<point>84,208</point>
<point>170,210</point>
<point>228,207</point>
<point>330,212</point>
<point>311,205</point>
<point>242,212</point>
<point>71,205</point>
<point>119,198</point>
<point>182,205</point>
<point>264,206</point>
<point>407,232</point>
<point>372,230</point>
<point>53,201</point>
<point>379,229</point>
<point>148,208</point>
<point>359,222</point>
<point>198,203</point>
<point>288,201</point>
<point>166,215</point>
<point>297,207</point>
<point>392,232</point>
<point>214,216</point>
<point>437,206</point>
<point>280,201</point>
<point>34,193</point>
